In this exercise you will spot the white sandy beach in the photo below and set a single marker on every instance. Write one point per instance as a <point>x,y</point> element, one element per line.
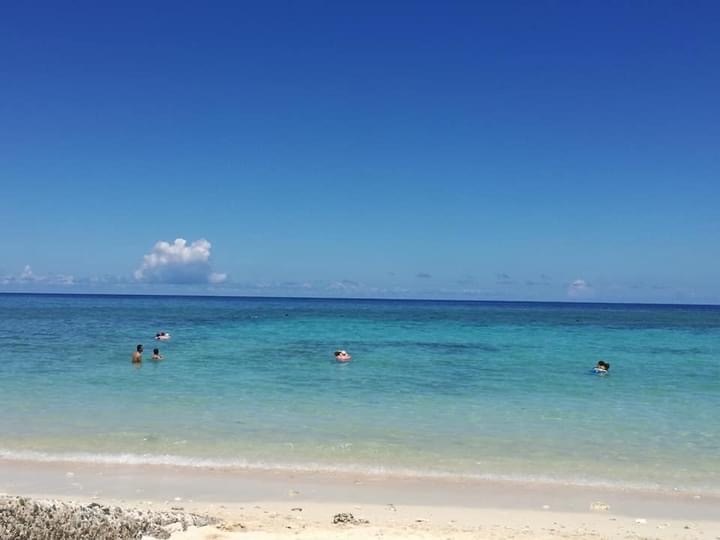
<point>442,523</point>
<point>269,505</point>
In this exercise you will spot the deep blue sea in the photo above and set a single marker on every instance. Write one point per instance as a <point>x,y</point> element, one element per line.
<point>457,389</point>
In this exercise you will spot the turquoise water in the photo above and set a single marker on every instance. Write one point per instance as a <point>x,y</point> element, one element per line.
<point>460,389</point>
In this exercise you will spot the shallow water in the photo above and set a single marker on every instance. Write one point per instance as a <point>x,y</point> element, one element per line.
<point>495,390</point>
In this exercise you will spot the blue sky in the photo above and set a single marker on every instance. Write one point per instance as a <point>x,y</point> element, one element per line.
<point>504,150</point>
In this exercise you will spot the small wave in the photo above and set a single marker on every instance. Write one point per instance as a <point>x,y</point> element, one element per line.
<point>677,350</point>
<point>168,460</point>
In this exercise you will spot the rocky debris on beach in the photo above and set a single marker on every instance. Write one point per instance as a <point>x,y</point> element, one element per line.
<point>22,518</point>
<point>346,518</point>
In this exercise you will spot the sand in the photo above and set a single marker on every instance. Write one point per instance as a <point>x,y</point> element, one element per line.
<point>272,521</point>
<point>275,505</point>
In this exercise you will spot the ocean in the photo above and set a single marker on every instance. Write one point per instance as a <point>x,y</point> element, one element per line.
<point>486,390</point>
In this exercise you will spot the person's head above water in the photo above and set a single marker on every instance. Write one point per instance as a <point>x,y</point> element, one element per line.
<point>139,348</point>
<point>342,356</point>
<point>156,351</point>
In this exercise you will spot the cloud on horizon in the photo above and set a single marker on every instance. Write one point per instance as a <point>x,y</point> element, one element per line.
<point>345,285</point>
<point>182,268</point>
<point>27,276</point>
<point>580,289</point>
<point>179,263</point>
<point>340,288</point>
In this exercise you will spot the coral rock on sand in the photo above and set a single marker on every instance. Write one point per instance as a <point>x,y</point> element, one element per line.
<point>22,518</point>
<point>348,518</point>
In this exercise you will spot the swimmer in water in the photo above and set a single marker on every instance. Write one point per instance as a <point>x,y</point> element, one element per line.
<point>601,367</point>
<point>137,355</point>
<point>156,355</point>
<point>342,356</point>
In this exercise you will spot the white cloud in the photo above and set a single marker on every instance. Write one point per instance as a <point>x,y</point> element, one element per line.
<point>65,280</point>
<point>27,276</point>
<point>217,277</point>
<point>179,263</point>
<point>580,289</point>
<point>344,285</point>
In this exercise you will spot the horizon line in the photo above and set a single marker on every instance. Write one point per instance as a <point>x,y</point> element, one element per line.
<point>259,297</point>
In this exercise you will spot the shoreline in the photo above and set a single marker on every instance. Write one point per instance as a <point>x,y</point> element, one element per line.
<point>198,465</point>
<point>280,505</point>
<point>165,482</point>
